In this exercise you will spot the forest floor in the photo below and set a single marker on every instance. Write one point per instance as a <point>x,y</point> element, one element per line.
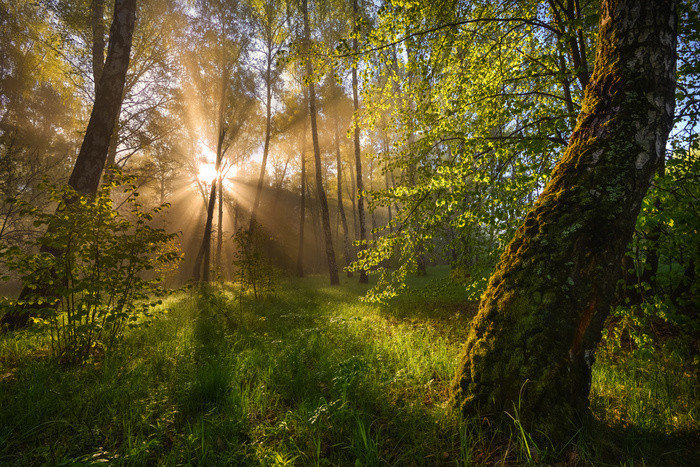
<point>312,376</point>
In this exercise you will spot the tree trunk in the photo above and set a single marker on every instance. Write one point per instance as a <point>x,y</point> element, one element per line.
<point>532,341</point>
<point>235,216</point>
<point>358,160</point>
<point>302,209</point>
<point>388,207</point>
<point>87,171</point>
<point>325,218</point>
<point>114,142</point>
<point>314,211</point>
<point>220,229</point>
<point>341,209</point>
<point>353,195</point>
<point>97,8</point>
<point>279,189</point>
<point>372,216</point>
<point>266,147</point>
<point>202,264</point>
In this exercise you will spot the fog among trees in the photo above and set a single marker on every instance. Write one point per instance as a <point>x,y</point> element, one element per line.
<point>349,232</point>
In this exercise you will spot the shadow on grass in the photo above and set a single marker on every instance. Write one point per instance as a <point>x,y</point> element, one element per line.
<point>309,374</point>
<point>629,443</point>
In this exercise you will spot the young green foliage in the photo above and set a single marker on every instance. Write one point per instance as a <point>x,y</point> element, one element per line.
<point>100,282</point>
<point>253,269</point>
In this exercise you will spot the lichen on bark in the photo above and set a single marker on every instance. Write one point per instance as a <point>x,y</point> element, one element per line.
<point>531,344</point>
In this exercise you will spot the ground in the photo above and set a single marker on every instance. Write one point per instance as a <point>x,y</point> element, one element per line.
<point>311,375</point>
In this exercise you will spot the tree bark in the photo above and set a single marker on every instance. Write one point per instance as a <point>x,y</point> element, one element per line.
<point>323,201</point>
<point>87,171</point>
<point>302,209</point>
<point>341,209</point>
<point>220,229</point>
<point>388,207</point>
<point>373,219</point>
<point>97,8</point>
<point>202,263</point>
<point>540,319</point>
<point>353,195</point>
<point>266,147</point>
<point>358,159</point>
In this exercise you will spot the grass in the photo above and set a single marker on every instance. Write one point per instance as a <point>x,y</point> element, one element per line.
<point>311,376</point>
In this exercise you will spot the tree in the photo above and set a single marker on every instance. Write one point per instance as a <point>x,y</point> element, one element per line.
<point>356,140</point>
<point>341,208</point>
<point>474,97</point>
<point>97,8</point>
<point>531,344</point>
<point>223,87</point>
<point>91,159</point>
<point>323,201</point>
<point>87,171</point>
<point>270,25</point>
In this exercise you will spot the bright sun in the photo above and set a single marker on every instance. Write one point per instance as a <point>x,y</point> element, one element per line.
<point>206,168</point>
<point>206,172</point>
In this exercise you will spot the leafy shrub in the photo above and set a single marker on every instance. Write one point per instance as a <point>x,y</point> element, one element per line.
<point>657,297</point>
<point>88,273</point>
<point>253,269</point>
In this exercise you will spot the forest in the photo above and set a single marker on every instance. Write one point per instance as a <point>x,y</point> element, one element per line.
<point>349,232</point>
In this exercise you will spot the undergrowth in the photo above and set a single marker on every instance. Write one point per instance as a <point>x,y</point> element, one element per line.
<point>309,376</point>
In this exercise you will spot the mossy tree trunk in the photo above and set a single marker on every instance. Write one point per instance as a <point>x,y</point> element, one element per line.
<point>531,344</point>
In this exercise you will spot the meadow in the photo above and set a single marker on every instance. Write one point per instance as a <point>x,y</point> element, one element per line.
<point>311,375</point>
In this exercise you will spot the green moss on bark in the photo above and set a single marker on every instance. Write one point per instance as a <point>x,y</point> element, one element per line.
<point>540,318</point>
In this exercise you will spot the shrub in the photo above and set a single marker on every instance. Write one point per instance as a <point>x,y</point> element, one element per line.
<point>253,269</point>
<point>88,273</point>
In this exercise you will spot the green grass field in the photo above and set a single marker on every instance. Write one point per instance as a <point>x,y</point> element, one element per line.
<point>311,376</point>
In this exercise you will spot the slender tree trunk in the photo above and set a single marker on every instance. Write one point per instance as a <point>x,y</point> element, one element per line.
<point>323,201</point>
<point>87,171</point>
<point>313,210</point>
<point>358,159</point>
<point>266,147</point>
<point>540,319</point>
<point>341,209</point>
<point>353,195</point>
<point>302,209</point>
<point>161,198</point>
<point>220,228</point>
<point>202,264</point>
<point>235,216</point>
<point>388,207</point>
<point>278,189</point>
<point>393,185</point>
<point>113,142</point>
<point>373,219</point>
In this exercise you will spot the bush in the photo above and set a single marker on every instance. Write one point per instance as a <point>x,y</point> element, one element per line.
<point>87,275</point>
<point>253,269</point>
